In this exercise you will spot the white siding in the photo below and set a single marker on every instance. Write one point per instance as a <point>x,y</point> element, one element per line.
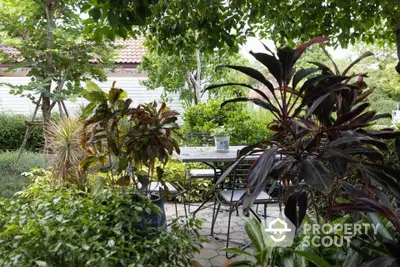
<point>138,93</point>
<point>11,103</point>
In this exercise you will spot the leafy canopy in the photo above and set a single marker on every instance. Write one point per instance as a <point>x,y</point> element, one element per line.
<point>54,51</point>
<point>170,72</point>
<point>218,23</point>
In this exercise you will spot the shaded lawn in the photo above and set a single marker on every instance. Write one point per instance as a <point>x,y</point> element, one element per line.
<point>11,180</point>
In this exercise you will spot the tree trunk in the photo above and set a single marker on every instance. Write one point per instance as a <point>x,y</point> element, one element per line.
<point>47,106</point>
<point>197,86</point>
<point>46,112</point>
<point>398,46</point>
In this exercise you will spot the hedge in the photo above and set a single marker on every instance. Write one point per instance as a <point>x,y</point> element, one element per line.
<point>12,131</point>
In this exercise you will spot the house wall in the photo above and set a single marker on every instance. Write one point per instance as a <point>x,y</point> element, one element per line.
<point>138,93</point>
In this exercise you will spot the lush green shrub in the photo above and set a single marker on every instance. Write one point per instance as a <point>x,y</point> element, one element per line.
<point>11,179</point>
<point>12,132</point>
<point>175,172</point>
<point>247,126</point>
<point>66,227</point>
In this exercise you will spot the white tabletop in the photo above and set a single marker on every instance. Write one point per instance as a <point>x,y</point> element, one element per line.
<point>207,154</point>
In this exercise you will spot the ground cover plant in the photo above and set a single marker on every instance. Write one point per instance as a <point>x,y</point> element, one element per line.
<point>63,226</point>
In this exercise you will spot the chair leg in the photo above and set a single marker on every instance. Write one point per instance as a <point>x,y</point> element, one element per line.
<point>265,210</point>
<point>176,207</point>
<point>214,218</point>
<point>202,204</point>
<point>190,194</point>
<point>229,231</point>
<point>184,204</point>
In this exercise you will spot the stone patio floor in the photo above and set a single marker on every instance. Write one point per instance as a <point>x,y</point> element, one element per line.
<point>212,253</point>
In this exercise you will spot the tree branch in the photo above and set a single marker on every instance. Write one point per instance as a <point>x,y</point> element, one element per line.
<point>191,81</point>
<point>60,85</point>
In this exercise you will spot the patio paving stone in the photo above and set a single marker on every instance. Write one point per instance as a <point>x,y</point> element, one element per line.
<point>213,244</point>
<point>207,253</point>
<point>212,253</point>
<point>218,261</point>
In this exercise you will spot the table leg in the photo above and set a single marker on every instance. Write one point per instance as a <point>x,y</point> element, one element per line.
<point>215,167</point>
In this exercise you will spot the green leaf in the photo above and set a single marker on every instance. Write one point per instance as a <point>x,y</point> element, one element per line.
<point>381,229</point>
<point>342,200</point>
<point>112,19</point>
<point>237,251</point>
<point>95,13</point>
<point>122,32</point>
<point>314,258</point>
<point>98,35</point>
<point>116,94</point>
<point>92,87</point>
<point>88,110</point>
<point>353,258</point>
<point>87,162</point>
<point>98,186</point>
<point>95,97</point>
<point>256,234</point>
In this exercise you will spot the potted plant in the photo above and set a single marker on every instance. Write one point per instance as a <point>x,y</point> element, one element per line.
<point>131,144</point>
<point>221,136</point>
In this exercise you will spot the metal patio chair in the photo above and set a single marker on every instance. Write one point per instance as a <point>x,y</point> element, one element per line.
<point>231,195</point>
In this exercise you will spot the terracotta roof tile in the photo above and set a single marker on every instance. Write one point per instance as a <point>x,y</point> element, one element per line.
<point>9,50</point>
<point>131,52</point>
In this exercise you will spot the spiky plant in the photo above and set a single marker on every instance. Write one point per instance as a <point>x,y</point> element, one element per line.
<point>65,137</point>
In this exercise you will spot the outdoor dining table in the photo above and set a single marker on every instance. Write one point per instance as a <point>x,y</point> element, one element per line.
<point>209,156</point>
